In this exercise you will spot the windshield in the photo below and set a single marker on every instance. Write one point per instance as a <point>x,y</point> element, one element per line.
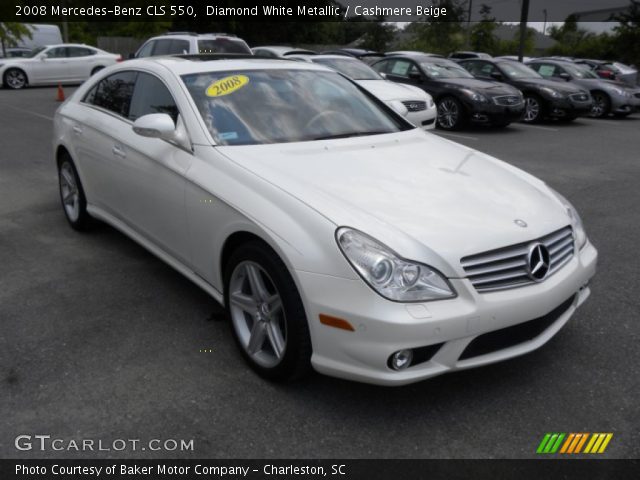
<point>222,45</point>
<point>444,70</point>
<point>36,52</point>
<point>578,71</point>
<point>354,69</point>
<point>517,70</point>
<point>252,107</point>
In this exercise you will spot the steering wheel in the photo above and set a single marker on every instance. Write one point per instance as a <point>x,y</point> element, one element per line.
<point>337,118</point>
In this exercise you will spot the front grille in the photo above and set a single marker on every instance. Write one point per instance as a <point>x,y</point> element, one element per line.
<point>507,267</point>
<point>415,105</point>
<point>508,100</point>
<point>515,334</point>
<point>579,97</point>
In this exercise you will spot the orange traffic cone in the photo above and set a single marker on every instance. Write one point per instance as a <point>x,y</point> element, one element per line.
<point>60,96</point>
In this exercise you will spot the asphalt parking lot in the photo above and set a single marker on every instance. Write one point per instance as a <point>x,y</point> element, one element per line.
<point>99,339</point>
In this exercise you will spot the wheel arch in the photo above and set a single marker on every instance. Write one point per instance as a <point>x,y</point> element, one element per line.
<point>16,67</point>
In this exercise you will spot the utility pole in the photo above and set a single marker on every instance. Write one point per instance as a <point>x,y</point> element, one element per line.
<point>544,28</point>
<point>524,14</point>
<point>469,25</point>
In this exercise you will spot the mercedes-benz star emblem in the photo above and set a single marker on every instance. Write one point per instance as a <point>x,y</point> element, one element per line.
<point>538,262</point>
<point>520,223</point>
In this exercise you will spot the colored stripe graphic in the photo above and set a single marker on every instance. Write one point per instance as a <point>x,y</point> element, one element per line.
<point>573,443</point>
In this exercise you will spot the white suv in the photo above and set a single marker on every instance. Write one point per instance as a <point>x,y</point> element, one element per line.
<point>192,43</point>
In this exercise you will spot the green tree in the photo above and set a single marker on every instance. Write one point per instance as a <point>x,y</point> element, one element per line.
<point>626,41</point>
<point>438,36</point>
<point>10,34</point>
<point>482,33</point>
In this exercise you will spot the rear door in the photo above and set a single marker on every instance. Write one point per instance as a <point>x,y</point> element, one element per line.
<point>80,62</point>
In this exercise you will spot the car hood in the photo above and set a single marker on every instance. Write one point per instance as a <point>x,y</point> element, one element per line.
<point>427,198</point>
<point>484,86</point>
<point>386,90</point>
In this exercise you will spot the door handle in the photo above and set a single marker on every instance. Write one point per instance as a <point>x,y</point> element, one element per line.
<point>77,129</point>
<point>118,151</point>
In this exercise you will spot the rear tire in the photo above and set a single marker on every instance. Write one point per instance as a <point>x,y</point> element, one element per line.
<point>267,315</point>
<point>74,202</point>
<point>15,79</point>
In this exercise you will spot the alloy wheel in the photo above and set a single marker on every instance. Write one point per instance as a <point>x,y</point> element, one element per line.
<point>69,191</point>
<point>257,314</point>
<point>15,78</point>
<point>599,105</point>
<point>532,109</point>
<point>448,113</point>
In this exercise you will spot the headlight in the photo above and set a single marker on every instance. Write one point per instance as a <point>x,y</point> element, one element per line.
<point>389,275</point>
<point>475,96</point>
<point>552,92</point>
<point>620,91</point>
<point>430,103</point>
<point>576,221</point>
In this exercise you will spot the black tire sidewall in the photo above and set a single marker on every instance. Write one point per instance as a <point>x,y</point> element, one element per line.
<point>541,108</point>
<point>296,362</point>
<point>607,108</point>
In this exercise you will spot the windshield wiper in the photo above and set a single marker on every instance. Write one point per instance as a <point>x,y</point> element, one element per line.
<point>352,134</point>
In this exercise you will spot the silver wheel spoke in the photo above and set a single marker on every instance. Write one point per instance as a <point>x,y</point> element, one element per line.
<point>275,339</point>
<point>67,178</point>
<point>245,303</point>
<point>258,288</point>
<point>256,339</point>
<point>275,304</point>
<point>69,198</point>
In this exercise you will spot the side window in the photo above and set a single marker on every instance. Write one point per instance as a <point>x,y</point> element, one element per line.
<point>151,96</point>
<point>400,68</point>
<point>162,47</point>
<point>487,69</point>
<point>178,47</point>
<point>113,93</point>
<point>146,49</point>
<point>472,67</point>
<point>79,52</point>
<point>545,69</point>
<point>381,67</point>
<point>264,53</point>
<point>58,52</point>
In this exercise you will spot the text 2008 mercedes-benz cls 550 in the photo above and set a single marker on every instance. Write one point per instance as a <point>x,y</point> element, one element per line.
<point>337,235</point>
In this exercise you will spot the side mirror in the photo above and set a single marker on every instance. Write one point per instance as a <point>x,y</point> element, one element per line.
<point>398,107</point>
<point>564,76</point>
<point>383,75</point>
<point>156,125</point>
<point>497,76</point>
<point>415,76</point>
<point>43,57</point>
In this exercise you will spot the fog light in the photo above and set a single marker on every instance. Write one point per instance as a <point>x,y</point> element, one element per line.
<point>401,359</point>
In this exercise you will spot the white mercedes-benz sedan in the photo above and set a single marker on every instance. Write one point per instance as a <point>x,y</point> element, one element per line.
<point>337,235</point>
<point>53,64</point>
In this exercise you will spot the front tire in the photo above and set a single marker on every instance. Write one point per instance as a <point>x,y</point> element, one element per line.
<point>533,109</point>
<point>601,105</point>
<point>450,114</point>
<point>15,79</point>
<point>266,312</point>
<point>74,202</point>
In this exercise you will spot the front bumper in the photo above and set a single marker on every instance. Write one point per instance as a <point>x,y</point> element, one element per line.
<point>568,107</point>
<point>425,119</point>
<point>491,113</point>
<point>622,104</point>
<point>383,327</point>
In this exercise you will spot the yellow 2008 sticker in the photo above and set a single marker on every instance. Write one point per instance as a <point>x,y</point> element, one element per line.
<point>227,85</point>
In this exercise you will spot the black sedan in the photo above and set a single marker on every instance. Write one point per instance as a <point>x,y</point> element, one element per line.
<point>460,97</point>
<point>543,98</point>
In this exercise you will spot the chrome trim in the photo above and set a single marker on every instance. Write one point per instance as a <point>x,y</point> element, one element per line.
<point>415,105</point>
<point>508,100</point>
<point>507,267</point>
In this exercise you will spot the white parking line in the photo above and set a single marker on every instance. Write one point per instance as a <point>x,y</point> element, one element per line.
<point>36,114</point>
<point>455,135</point>
<point>538,127</point>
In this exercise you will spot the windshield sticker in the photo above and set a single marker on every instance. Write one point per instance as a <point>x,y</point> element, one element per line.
<point>226,85</point>
<point>228,135</point>
<point>546,70</point>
